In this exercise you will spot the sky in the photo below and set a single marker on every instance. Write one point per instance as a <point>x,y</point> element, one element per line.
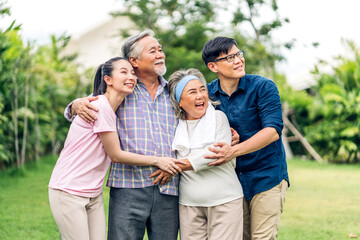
<point>324,21</point>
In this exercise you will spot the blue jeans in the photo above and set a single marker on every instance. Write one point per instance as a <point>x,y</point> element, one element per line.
<point>131,210</point>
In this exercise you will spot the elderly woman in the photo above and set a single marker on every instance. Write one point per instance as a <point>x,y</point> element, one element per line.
<point>210,198</point>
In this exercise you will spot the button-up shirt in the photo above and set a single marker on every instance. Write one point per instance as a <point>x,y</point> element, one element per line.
<point>145,127</point>
<point>255,105</point>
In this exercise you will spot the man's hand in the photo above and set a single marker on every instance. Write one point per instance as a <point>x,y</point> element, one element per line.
<point>82,107</point>
<point>162,177</point>
<point>224,154</point>
<point>235,137</point>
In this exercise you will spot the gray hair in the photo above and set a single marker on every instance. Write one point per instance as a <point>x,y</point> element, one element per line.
<point>174,79</point>
<point>130,47</point>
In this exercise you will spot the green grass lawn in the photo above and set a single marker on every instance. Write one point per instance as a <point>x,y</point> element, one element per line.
<point>323,202</point>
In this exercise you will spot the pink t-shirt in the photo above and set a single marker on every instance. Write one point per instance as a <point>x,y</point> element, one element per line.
<point>83,162</point>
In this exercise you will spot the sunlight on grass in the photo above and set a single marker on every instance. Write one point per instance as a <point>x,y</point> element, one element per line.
<point>322,202</point>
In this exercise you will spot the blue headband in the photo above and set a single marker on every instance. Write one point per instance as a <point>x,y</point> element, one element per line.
<point>181,85</point>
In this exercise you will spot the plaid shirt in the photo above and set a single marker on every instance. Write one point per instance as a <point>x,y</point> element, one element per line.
<point>145,127</point>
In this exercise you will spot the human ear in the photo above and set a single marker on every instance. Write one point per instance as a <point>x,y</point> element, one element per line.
<point>108,79</point>
<point>212,67</point>
<point>133,61</point>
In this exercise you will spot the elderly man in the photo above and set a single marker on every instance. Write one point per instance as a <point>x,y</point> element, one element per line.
<point>253,107</point>
<point>146,125</point>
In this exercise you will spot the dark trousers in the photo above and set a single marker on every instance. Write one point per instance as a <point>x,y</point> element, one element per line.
<point>131,210</point>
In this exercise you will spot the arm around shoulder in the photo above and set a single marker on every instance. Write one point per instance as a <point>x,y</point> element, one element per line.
<point>82,107</point>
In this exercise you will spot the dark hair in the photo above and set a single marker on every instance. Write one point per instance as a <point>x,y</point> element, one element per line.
<point>215,47</point>
<point>104,69</point>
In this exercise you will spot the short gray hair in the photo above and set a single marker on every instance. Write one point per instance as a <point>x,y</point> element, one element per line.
<point>174,79</point>
<point>130,47</point>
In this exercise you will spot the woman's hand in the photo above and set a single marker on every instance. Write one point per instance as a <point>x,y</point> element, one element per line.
<point>169,165</point>
<point>162,177</point>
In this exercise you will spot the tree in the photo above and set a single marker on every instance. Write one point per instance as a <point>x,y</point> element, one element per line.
<point>248,11</point>
<point>183,27</point>
<point>57,80</point>
<point>12,84</point>
<point>35,86</point>
<point>335,114</point>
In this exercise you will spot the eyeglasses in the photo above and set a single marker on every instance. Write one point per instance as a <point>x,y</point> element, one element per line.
<point>230,58</point>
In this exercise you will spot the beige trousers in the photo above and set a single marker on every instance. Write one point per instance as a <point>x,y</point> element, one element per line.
<point>78,218</point>
<point>262,213</point>
<point>222,222</point>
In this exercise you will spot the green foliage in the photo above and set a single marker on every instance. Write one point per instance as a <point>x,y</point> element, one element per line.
<point>12,77</point>
<point>4,154</point>
<point>249,11</point>
<point>4,10</point>
<point>35,86</point>
<point>299,100</point>
<point>57,81</point>
<point>183,27</point>
<point>336,111</point>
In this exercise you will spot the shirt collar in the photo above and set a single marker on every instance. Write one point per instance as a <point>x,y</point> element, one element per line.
<point>242,85</point>
<point>162,81</point>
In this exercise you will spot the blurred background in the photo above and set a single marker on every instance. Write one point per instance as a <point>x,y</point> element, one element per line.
<point>310,49</point>
<point>49,50</point>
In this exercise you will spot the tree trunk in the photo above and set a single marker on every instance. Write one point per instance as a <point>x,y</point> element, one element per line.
<point>23,150</point>
<point>37,128</point>
<point>288,151</point>
<point>15,105</point>
<point>53,124</point>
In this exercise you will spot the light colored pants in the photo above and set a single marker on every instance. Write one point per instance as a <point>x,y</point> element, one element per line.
<point>262,213</point>
<point>78,218</point>
<point>212,223</point>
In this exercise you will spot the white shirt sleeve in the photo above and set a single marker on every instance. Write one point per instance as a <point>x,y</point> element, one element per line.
<point>223,134</point>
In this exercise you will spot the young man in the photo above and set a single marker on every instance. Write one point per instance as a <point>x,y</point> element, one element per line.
<point>253,107</point>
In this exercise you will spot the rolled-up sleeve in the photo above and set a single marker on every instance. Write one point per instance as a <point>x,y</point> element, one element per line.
<point>269,104</point>
<point>67,112</point>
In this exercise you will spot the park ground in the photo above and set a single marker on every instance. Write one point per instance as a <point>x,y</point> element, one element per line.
<point>323,202</point>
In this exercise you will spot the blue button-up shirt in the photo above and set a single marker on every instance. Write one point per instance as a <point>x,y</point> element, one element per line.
<point>255,105</point>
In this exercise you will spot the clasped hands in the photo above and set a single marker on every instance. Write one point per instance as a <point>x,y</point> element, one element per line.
<point>223,153</point>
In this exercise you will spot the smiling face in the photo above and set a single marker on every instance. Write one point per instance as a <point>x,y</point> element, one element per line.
<point>123,78</point>
<point>194,99</point>
<point>225,70</point>
<point>152,58</point>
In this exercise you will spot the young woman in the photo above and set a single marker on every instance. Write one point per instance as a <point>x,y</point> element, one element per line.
<point>75,188</point>
<point>210,198</point>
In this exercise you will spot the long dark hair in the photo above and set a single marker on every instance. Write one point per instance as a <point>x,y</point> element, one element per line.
<point>104,69</point>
